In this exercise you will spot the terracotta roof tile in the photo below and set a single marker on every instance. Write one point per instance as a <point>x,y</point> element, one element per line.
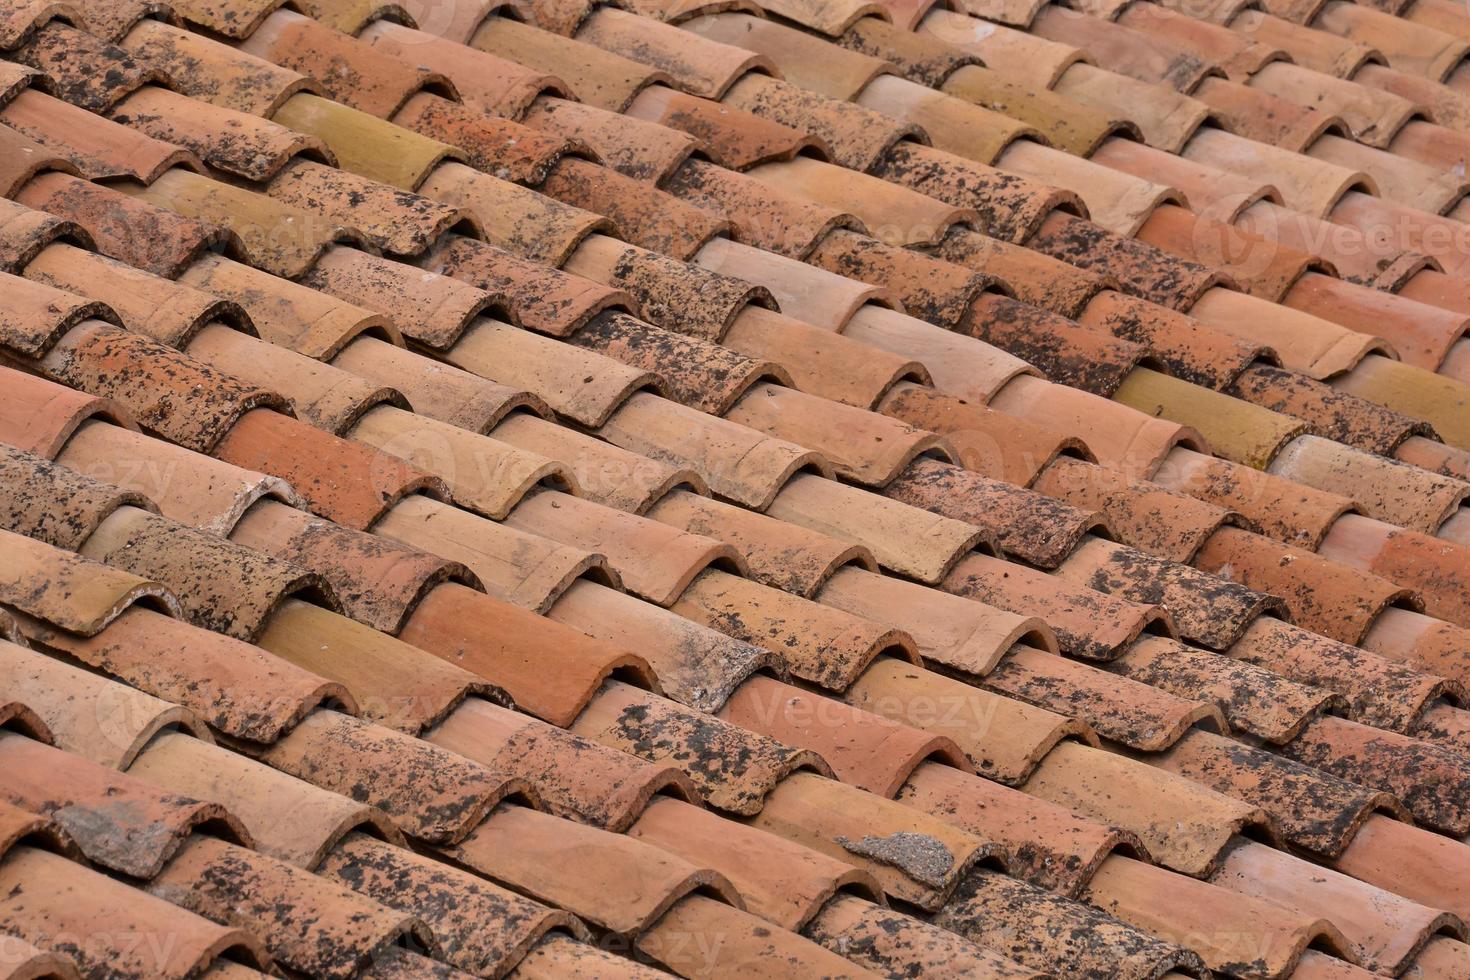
<point>521,221</point>
<point>643,150</point>
<point>98,148</point>
<point>485,81</point>
<point>594,75</point>
<point>365,145</point>
<point>39,315</point>
<point>699,64</point>
<point>1087,623</point>
<point>118,820</point>
<point>70,58</point>
<point>315,925</point>
<point>55,504</point>
<point>1254,699</point>
<point>98,719</point>
<point>1064,351</point>
<point>619,883</point>
<point>24,158</point>
<point>1191,350</point>
<point>1053,934</point>
<point>236,688</point>
<point>398,222</point>
<point>761,214</point>
<point>82,597</point>
<point>1144,271</point>
<point>509,150</point>
<point>1336,415</point>
<point>75,899</point>
<point>24,233</point>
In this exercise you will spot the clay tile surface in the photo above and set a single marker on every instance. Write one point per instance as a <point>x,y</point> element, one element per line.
<point>71,59</point>
<point>645,215</point>
<point>40,416</point>
<point>124,227</point>
<point>700,65</point>
<point>53,503</point>
<point>507,149</point>
<point>24,233</point>
<point>80,596</point>
<point>637,148</point>
<point>118,820</point>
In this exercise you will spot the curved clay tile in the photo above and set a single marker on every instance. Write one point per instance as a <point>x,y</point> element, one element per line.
<point>819,644</point>
<point>734,138</point>
<point>654,561</point>
<point>208,494</point>
<point>960,635</point>
<point>1317,50</point>
<point>1266,118</point>
<point>642,150</point>
<point>516,566</point>
<point>290,820</point>
<point>1437,399</point>
<point>864,750</point>
<point>1323,595</point>
<point>1398,178</point>
<point>1143,270</point>
<point>781,555</point>
<point>1060,936</point>
<point>646,215</point>
<point>737,462</point>
<point>354,72</point>
<point>920,56</point>
<point>1373,115</point>
<point>90,716</point>
<point>803,60</point>
<point>372,149</point>
<point>486,78</point>
<point>205,69</point>
<point>101,149</point>
<point>1236,430</point>
<point>222,587</point>
<point>430,792</point>
<point>316,926</point>
<point>992,443</point>
<point>1049,846</point>
<point>1398,857</point>
<point>1230,931</point>
<point>1003,205</point>
<point>455,22</point>
<point>41,416</point>
<point>1440,955</point>
<point>903,538</point>
<point>377,580</point>
<point>345,482</point>
<point>24,961</point>
<point>867,447</point>
<point>1383,931</point>
<point>480,926</point>
<point>1263,268</point>
<point>37,315</point>
<point>891,943</point>
<point>1253,699</point>
<point>1036,528</point>
<point>120,821</point>
<point>23,159</point>
<point>695,62</point>
<point>483,475</point>
<point>1409,558</point>
<point>178,396</point>
<point>1088,624</point>
<point>592,74</point>
<point>582,385</point>
<point>151,937</point>
<point>236,688</point>
<point>1236,53</point>
<point>543,299</point>
<point>82,596</point>
<point>1380,691</point>
<point>917,858</point>
<point>556,955</point>
<point>732,768</point>
<point>1062,350</point>
<point>1336,415</point>
<point>1029,276</point>
<point>788,885</point>
<point>1422,334</point>
<point>607,474</point>
<point>1417,49</point>
<point>819,362</point>
<point>1120,435</point>
<point>450,621</point>
<point>395,221</point>
<point>55,504</point>
<point>25,233</point>
<point>1386,489</point>
<point>1191,350</point>
<point>84,69</point>
<point>697,666</point>
<point>617,883</point>
<point>824,299</point>
<point>1149,57</point>
<point>1208,610</point>
<point>930,289</point>
<point>572,777</point>
<point>831,17</point>
<point>1128,712</point>
<point>1185,826</point>
<point>674,294</point>
<point>858,137</point>
<point>1315,811</point>
<point>1143,515</point>
<point>529,224</point>
<point>431,308</point>
<point>510,150</point>
<point>1004,739</point>
<point>761,214</point>
<point>1276,506</point>
<point>1167,119</point>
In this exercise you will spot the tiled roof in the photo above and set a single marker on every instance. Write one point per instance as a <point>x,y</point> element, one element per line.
<point>738,489</point>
